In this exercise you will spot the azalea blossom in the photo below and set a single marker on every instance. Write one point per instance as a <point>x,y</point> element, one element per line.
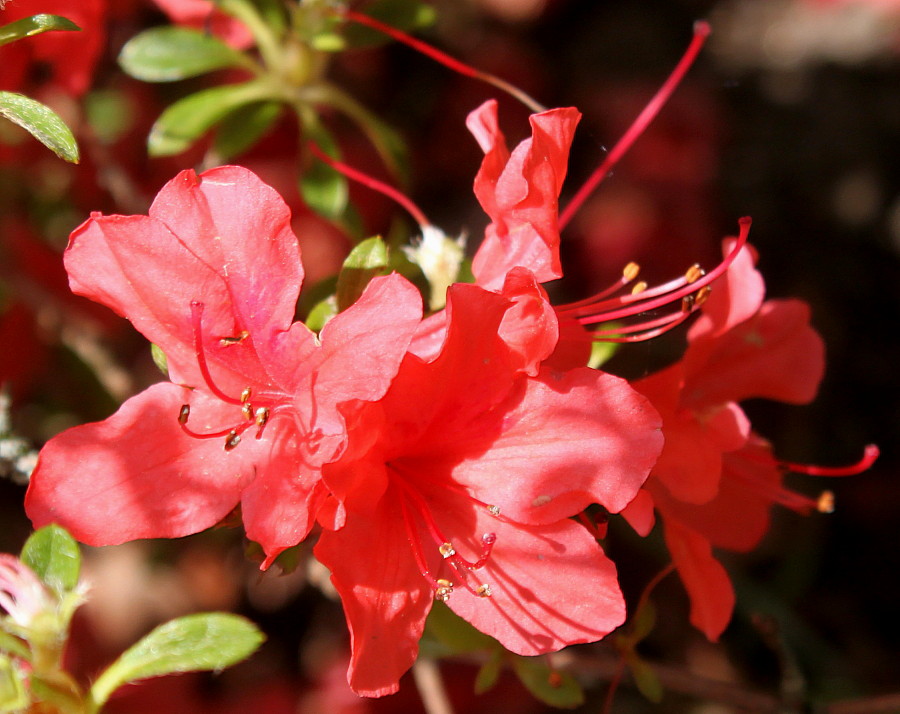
<point>716,480</point>
<point>458,486</point>
<point>211,277</point>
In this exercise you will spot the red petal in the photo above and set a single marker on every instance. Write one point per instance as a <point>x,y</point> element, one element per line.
<point>707,583</point>
<point>385,597</point>
<point>520,194</point>
<point>138,475</point>
<point>571,440</point>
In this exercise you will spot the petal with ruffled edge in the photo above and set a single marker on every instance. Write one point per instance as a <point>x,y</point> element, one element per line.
<point>138,475</point>
<point>385,597</point>
<point>522,197</point>
<point>707,583</point>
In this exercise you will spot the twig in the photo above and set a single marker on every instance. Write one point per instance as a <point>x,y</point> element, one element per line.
<point>427,676</point>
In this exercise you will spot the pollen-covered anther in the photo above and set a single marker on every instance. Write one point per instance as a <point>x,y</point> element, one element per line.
<point>825,502</point>
<point>262,416</point>
<point>483,590</point>
<point>247,411</point>
<point>702,295</point>
<point>694,273</point>
<point>443,591</point>
<point>184,413</point>
<point>447,550</point>
<point>246,394</point>
<point>639,288</point>
<point>232,440</point>
<point>630,271</point>
<point>493,510</point>
<point>688,303</point>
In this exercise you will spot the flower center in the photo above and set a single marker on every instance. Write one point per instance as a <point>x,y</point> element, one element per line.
<point>257,414</point>
<point>416,514</point>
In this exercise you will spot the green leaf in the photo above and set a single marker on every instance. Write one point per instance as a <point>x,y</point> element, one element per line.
<point>206,641</point>
<point>34,25</point>
<point>601,352</point>
<point>552,687</point>
<point>642,623</point>
<point>13,695</point>
<point>244,127</point>
<point>167,54</point>
<point>454,635</point>
<point>406,15</point>
<point>321,313</point>
<point>188,119</point>
<point>41,122</point>
<point>367,259</point>
<point>324,189</point>
<point>645,678</point>
<point>14,646</point>
<point>54,556</point>
<point>489,673</point>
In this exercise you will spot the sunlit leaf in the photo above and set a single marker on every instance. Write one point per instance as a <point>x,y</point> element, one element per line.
<point>54,556</point>
<point>41,122</point>
<point>367,259</point>
<point>167,54</point>
<point>34,25</point>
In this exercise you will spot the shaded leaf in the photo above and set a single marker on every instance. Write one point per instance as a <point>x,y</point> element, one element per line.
<point>323,189</point>
<point>54,557</point>
<point>188,119</point>
<point>552,687</point>
<point>244,127</point>
<point>167,54</point>
<point>41,122</point>
<point>206,641</point>
<point>645,678</point>
<point>34,25</point>
<point>489,673</point>
<point>367,259</point>
<point>406,15</point>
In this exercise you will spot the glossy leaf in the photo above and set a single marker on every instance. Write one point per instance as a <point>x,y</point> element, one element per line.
<point>54,557</point>
<point>41,122</point>
<point>244,127</point>
<point>188,119</point>
<point>324,189</point>
<point>367,259</point>
<point>34,25</point>
<point>206,641</point>
<point>167,54</point>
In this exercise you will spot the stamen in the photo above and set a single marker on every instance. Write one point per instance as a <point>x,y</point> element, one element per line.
<point>483,590</point>
<point>262,417</point>
<point>825,502</point>
<point>870,455</point>
<point>247,410</point>
<point>701,32</point>
<point>246,394</point>
<point>232,440</point>
<point>447,550</point>
<point>372,183</point>
<point>444,590</point>
<point>630,272</point>
<point>196,315</point>
<point>639,288</point>
<point>443,58</point>
<point>184,413</point>
<point>225,341</point>
<point>494,510</point>
<point>694,273</point>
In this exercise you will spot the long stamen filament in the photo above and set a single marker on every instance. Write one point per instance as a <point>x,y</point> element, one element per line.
<point>701,32</point>
<point>443,58</point>
<point>196,315</point>
<point>371,183</point>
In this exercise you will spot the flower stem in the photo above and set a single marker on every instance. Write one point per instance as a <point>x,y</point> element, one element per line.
<point>430,684</point>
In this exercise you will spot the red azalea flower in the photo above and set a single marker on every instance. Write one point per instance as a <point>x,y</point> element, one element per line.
<point>211,277</point>
<point>68,57</point>
<point>458,486</point>
<point>715,480</point>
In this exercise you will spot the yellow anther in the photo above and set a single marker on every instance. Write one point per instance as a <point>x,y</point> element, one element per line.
<point>184,413</point>
<point>443,591</point>
<point>702,295</point>
<point>483,590</point>
<point>447,550</point>
<point>225,341</point>
<point>694,273</point>
<point>247,410</point>
<point>688,303</point>
<point>630,271</point>
<point>262,416</point>
<point>494,510</point>
<point>639,288</point>
<point>245,395</point>
<point>825,502</point>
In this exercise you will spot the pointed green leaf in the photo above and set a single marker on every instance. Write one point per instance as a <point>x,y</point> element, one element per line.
<point>552,687</point>
<point>14,646</point>
<point>367,259</point>
<point>41,122</point>
<point>323,189</point>
<point>188,119</point>
<point>34,25</point>
<point>207,641</point>
<point>54,556</point>
<point>244,127</point>
<point>645,678</point>
<point>601,352</point>
<point>452,635</point>
<point>159,359</point>
<point>643,621</point>
<point>489,673</point>
<point>13,695</point>
<point>321,313</point>
<point>167,54</point>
